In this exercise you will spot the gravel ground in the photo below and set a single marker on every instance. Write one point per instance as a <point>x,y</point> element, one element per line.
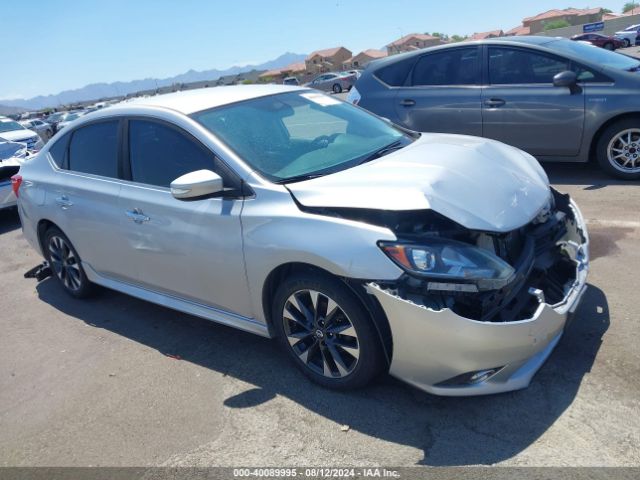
<point>116,381</point>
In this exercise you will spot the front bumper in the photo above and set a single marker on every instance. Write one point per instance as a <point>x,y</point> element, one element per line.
<point>433,346</point>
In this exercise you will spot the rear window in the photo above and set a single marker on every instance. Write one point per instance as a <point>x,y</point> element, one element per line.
<point>396,74</point>
<point>59,151</point>
<point>94,149</point>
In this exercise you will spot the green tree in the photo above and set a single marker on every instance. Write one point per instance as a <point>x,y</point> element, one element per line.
<point>630,6</point>
<point>556,24</point>
<point>606,10</point>
<point>457,38</point>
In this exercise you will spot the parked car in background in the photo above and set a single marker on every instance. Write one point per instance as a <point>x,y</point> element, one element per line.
<point>13,131</point>
<point>332,82</point>
<point>629,35</point>
<point>356,73</point>
<point>604,41</point>
<point>291,81</point>
<point>282,211</point>
<point>11,154</point>
<point>56,118</point>
<point>43,129</point>
<point>70,118</point>
<point>504,89</point>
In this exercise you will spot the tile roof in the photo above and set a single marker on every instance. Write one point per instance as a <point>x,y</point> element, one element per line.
<point>406,38</point>
<point>327,52</point>
<point>483,35</point>
<point>519,30</point>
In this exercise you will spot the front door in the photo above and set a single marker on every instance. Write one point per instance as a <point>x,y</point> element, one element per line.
<point>191,249</point>
<point>521,107</point>
<point>443,93</point>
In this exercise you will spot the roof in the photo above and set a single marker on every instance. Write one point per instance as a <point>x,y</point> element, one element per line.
<point>293,67</point>
<point>519,30</point>
<point>190,101</point>
<point>328,52</point>
<point>372,53</point>
<point>483,35</point>
<point>406,38</point>
<point>554,13</point>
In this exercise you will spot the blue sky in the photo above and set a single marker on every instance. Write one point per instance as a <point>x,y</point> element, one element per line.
<point>49,46</point>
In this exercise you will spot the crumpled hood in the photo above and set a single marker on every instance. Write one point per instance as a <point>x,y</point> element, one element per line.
<point>480,184</point>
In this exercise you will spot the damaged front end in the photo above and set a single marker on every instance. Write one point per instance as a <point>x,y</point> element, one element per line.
<point>488,329</point>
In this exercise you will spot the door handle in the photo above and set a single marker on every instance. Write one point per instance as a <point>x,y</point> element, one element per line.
<point>407,102</point>
<point>494,102</point>
<point>137,216</point>
<point>64,202</point>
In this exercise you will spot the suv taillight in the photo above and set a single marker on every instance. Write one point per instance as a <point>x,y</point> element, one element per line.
<point>16,181</point>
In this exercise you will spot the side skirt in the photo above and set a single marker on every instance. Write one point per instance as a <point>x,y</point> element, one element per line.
<point>186,306</point>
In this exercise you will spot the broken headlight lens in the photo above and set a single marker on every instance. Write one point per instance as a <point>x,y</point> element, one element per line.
<point>449,260</point>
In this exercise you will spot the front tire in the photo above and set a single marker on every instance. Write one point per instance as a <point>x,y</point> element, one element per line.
<point>609,46</point>
<point>618,149</point>
<point>627,43</point>
<point>65,264</point>
<point>326,331</point>
<point>337,88</point>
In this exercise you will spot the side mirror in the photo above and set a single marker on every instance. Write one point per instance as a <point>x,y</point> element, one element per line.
<point>566,79</point>
<point>196,184</point>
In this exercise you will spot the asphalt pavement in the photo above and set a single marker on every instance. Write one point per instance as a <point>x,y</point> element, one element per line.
<point>116,381</point>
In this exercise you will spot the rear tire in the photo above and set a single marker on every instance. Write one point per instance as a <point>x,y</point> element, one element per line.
<point>326,331</point>
<point>609,46</point>
<point>337,88</point>
<point>65,264</point>
<point>618,149</point>
<point>627,43</point>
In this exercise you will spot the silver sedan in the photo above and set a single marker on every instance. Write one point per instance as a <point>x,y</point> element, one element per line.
<point>445,260</point>
<point>333,82</point>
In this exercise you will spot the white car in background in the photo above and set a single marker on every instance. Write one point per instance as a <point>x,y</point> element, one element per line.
<point>13,131</point>
<point>629,35</point>
<point>41,128</point>
<point>11,155</point>
<point>70,118</point>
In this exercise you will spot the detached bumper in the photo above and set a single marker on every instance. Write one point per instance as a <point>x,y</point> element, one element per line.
<point>431,347</point>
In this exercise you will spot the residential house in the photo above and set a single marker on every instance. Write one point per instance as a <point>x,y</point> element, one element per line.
<point>279,74</point>
<point>413,41</point>
<point>520,30</point>
<point>328,60</point>
<point>486,35</point>
<point>362,59</point>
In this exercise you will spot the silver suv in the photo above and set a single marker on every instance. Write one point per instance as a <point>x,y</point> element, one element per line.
<point>285,212</point>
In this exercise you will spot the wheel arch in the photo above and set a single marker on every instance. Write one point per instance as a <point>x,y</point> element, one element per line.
<point>596,137</point>
<point>368,302</point>
<point>44,225</point>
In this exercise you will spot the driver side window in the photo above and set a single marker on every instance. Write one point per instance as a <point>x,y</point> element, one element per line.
<point>159,154</point>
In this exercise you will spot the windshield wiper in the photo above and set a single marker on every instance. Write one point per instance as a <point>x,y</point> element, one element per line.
<point>397,145</point>
<point>299,178</point>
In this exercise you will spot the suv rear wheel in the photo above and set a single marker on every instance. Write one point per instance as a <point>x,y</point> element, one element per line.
<point>618,149</point>
<point>326,331</point>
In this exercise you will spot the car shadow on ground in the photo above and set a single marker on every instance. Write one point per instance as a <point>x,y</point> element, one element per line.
<point>587,174</point>
<point>9,220</point>
<point>449,431</point>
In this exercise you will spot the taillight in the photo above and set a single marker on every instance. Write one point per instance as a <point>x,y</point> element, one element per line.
<point>16,181</point>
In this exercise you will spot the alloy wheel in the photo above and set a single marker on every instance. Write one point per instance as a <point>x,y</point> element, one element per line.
<point>623,151</point>
<point>64,263</point>
<point>320,333</point>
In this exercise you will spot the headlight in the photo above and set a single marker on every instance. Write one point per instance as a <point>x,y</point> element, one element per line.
<point>449,260</point>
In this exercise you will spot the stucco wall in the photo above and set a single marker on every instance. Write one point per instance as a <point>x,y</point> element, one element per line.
<point>610,27</point>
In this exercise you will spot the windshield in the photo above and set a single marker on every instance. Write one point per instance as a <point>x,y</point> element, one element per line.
<point>595,55</point>
<point>72,117</point>
<point>289,136</point>
<point>10,126</point>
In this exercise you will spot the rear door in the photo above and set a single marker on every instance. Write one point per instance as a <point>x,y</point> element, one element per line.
<point>84,195</point>
<point>443,93</point>
<point>521,107</point>
<point>191,249</point>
